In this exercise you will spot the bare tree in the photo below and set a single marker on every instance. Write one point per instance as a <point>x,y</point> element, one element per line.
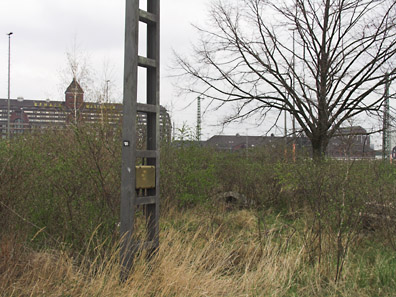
<point>98,83</point>
<point>322,61</point>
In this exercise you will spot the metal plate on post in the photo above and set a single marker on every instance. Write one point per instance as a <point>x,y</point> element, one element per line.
<point>145,177</point>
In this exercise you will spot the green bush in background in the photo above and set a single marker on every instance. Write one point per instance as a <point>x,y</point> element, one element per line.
<point>64,182</point>
<point>63,186</point>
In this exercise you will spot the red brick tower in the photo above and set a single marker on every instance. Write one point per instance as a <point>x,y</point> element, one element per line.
<point>74,95</point>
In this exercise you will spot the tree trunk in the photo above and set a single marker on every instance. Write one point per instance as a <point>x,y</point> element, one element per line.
<point>319,146</point>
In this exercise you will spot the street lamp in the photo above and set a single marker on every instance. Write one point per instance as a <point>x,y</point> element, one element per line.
<point>9,67</point>
<point>107,91</point>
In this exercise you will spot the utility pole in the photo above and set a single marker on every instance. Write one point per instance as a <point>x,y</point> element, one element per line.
<point>173,131</point>
<point>140,169</point>
<point>386,125</point>
<point>294,86</point>
<point>294,83</point>
<point>285,122</point>
<point>199,118</point>
<point>247,144</point>
<point>9,84</point>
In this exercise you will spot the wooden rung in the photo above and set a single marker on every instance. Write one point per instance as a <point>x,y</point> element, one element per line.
<point>148,108</point>
<point>143,245</point>
<point>146,154</point>
<point>146,62</point>
<point>146,200</point>
<point>147,17</point>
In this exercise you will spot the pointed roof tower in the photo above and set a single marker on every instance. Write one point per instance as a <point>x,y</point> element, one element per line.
<point>74,95</point>
<point>74,87</point>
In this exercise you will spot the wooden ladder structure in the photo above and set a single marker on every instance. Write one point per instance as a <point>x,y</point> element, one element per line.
<point>131,196</point>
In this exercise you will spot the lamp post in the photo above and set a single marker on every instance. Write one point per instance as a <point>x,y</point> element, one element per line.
<point>9,67</point>
<point>199,118</point>
<point>107,91</point>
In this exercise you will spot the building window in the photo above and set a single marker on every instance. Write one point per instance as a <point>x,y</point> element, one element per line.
<point>18,126</point>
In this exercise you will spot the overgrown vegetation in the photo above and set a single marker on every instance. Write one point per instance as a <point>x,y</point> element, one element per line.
<point>298,228</point>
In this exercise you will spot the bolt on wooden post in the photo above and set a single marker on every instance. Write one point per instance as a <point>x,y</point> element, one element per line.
<point>140,172</point>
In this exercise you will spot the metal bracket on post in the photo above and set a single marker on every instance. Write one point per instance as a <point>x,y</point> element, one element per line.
<point>135,178</point>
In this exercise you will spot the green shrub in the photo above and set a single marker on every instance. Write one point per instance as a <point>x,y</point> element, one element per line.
<point>65,182</point>
<point>188,175</point>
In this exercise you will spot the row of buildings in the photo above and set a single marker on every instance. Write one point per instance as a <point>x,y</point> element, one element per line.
<point>34,115</point>
<point>37,115</point>
<point>350,142</point>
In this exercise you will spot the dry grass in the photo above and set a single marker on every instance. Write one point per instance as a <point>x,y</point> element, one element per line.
<point>201,257</point>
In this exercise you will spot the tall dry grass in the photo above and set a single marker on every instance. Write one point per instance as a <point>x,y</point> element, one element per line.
<point>222,256</point>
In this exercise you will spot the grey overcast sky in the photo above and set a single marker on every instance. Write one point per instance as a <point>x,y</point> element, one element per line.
<point>45,30</point>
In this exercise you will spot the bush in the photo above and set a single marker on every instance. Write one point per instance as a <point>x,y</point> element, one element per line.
<point>64,182</point>
<point>188,175</point>
<point>63,188</point>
